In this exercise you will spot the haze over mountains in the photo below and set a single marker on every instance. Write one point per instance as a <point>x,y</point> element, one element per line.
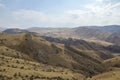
<point>81,53</point>
<point>106,33</point>
<point>110,28</point>
<point>59,39</point>
<point>2,29</point>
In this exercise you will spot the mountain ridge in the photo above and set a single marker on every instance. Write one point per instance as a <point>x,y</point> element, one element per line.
<point>79,56</point>
<point>77,33</point>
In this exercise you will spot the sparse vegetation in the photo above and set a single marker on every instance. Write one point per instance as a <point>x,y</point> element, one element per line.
<point>28,57</point>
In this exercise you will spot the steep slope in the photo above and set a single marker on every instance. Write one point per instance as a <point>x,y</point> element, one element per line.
<point>22,62</point>
<point>29,70</point>
<point>68,55</point>
<point>85,44</point>
<point>13,53</point>
<point>114,38</point>
<point>113,66</point>
<point>77,55</point>
<point>113,62</point>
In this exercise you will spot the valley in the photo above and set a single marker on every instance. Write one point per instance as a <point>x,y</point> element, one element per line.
<point>54,58</point>
<point>59,39</point>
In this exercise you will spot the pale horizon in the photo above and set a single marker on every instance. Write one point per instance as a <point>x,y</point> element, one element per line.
<point>57,14</point>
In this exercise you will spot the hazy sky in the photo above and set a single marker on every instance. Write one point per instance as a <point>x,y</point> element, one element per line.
<point>58,13</point>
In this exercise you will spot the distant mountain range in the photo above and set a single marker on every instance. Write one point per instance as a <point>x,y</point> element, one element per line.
<point>78,32</point>
<point>105,33</point>
<point>110,28</point>
<point>15,31</point>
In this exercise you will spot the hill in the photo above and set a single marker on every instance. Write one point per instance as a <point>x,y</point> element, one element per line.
<point>15,31</point>
<point>113,70</point>
<point>44,51</point>
<point>114,38</point>
<point>90,33</point>
<point>78,57</point>
<point>23,69</point>
<point>24,62</point>
<point>109,28</point>
<point>78,32</point>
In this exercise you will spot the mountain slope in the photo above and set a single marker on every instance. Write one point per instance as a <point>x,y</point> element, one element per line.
<point>21,62</point>
<point>68,56</point>
<point>114,38</point>
<point>30,70</point>
<point>78,32</point>
<point>90,33</point>
<point>109,28</point>
<point>80,57</point>
<point>15,31</point>
<point>113,72</point>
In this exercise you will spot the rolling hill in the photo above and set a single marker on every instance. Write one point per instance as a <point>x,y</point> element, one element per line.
<point>78,32</point>
<point>109,28</point>
<point>92,33</point>
<point>79,56</point>
<point>15,31</point>
<point>19,55</point>
<point>105,33</point>
<point>61,54</point>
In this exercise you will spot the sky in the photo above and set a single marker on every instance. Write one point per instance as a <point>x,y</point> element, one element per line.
<point>58,13</point>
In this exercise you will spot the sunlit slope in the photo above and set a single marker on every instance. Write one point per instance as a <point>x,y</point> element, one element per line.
<point>19,69</point>
<point>83,58</point>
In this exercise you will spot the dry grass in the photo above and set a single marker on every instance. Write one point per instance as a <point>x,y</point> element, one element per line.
<point>21,56</point>
<point>14,68</point>
<point>97,41</point>
<point>111,75</point>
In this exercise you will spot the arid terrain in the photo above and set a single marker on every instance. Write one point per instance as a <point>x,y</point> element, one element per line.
<point>46,55</point>
<point>59,39</point>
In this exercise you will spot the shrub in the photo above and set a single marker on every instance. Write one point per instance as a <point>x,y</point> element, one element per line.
<point>15,75</point>
<point>22,67</point>
<point>17,62</point>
